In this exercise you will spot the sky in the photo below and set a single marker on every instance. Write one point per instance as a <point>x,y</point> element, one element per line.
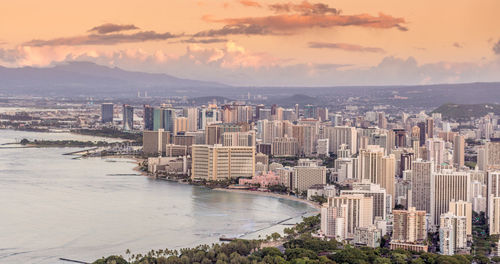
<point>263,43</point>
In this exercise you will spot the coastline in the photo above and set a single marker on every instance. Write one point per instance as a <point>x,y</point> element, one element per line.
<point>275,195</point>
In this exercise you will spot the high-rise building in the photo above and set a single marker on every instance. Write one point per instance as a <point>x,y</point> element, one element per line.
<point>218,162</point>
<point>463,208</point>
<point>106,113</point>
<point>409,226</point>
<point>371,190</point>
<point>148,117</point>
<point>369,236</point>
<point>452,233</point>
<point>447,185</point>
<point>494,215</point>
<point>322,147</point>
<point>400,138</point>
<point>168,117</point>
<point>423,133</point>
<point>181,125</point>
<point>435,151</point>
<point>377,168</point>
<point>306,176</point>
<point>359,211</point>
<point>285,147</point>
<point>429,124</point>
<point>341,135</point>
<point>246,139</point>
<point>459,151</point>
<point>421,185</point>
<point>493,153</point>
<point>191,113</point>
<point>154,142</point>
<point>128,117</point>
<point>333,221</point>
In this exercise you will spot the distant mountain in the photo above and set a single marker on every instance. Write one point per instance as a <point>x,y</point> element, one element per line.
<point>461,112</point>
<point>86,78</point>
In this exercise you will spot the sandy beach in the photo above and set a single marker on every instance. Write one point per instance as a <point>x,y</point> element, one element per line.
<point>275,195</point>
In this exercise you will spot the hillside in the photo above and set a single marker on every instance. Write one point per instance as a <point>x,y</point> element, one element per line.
<point>86,78</point>
<point>466,111</point>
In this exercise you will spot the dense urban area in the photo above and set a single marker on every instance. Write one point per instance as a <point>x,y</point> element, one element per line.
<point>392,184</point>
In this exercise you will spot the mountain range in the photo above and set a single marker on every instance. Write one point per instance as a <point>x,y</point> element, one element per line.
<point>86,78</point>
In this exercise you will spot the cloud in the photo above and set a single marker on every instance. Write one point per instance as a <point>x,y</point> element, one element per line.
<point>110,28</point>
<point>457,45</point>
<point>344,46</point>
<point>304,8</point>
<point>238,29</point>
<point>107,39</point>
<point>496,47</point>
<point>250,3</point>
<point>293,22</point>
<point>233,64</point>
<point>204,41</point>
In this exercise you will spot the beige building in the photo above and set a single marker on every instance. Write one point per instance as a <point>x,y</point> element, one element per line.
<point>285,147</point>
<point>180,125</point>
<point>494,215</point>
<point>371,190</point>
<point>452,233</point>
<point>172,150</point>
<point>306,176</point>
<point>447,185</point>
<point>333,222</point>
<point>420,197</point>
<point>459,151</point>
<point>462,208</point>
<point>218,162</point>
<point>154,142</point>
<point>341,135</point>
<point>409,226</point>
<point>241,139</point>
<point>377,168</point>
<point>367,236</point>
<point>493,153</point>
<point>359,211</point>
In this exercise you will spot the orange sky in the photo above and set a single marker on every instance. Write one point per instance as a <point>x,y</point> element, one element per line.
<point>347,35</point>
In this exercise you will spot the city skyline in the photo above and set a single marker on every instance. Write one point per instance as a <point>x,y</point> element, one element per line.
<point>263,42</point>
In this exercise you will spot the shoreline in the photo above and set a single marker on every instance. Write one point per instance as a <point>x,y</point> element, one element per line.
<point>274,195</point>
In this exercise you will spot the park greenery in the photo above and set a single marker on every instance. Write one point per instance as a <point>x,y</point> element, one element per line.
<point>297,246</point>
<point>63,143</point>
<point>110,133</point>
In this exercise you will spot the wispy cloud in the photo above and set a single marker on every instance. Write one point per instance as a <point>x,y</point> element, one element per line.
<point>250,3</point>
<point>293,22</point>
<point>344,46</point>
<point>110,28</point>
<point>305,8</point>
<point>457,45</point>
<point>102,39</point>
<point>238,29</point>
<point>204,41</point>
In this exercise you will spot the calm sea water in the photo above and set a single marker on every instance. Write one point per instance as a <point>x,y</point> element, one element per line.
<point>53,206</point>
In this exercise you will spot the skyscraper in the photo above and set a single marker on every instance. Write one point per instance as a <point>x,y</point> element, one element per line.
<point>218,162</point>
<point>447,185</point>
<point>371,190</point>
<point>452,233</point>
<point>359,210</point>
<point>128,117</point>
<point>421,185</point>
<point>148,117</point>
<point>106,113</point>
<point>459,150</point>
<point>409,226</point>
